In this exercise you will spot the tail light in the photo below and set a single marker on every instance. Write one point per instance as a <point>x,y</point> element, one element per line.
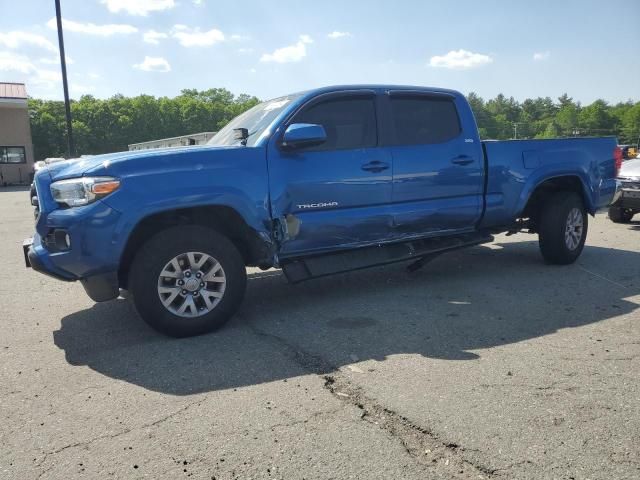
<point>617,156</point>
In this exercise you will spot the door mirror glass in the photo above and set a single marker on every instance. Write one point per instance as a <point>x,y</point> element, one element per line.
<point>299,135</point>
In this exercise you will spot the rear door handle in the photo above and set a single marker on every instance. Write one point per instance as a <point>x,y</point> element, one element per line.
<point>375,166</point>
<point>462,160</point>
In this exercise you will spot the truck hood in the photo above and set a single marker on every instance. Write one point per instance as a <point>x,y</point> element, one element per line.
<point>112,162</point>
<point>630,168</point>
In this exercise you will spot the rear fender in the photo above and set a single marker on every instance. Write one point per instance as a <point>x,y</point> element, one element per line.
<point>537,178</point>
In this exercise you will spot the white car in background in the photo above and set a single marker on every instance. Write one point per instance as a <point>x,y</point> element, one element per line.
<point>33,197</point>
<point>627,204</point>
<point>41,163</point>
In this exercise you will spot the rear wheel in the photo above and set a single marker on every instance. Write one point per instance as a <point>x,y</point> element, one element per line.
<point>563,228</point>
<point>620,215</point>
<point>187,281</point>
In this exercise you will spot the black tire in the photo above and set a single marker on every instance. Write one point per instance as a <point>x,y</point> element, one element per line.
<point>161,249</point>
<point>620,215</point>
<point>553,225</point>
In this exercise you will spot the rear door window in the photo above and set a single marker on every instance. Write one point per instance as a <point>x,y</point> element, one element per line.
<point>421,120</point>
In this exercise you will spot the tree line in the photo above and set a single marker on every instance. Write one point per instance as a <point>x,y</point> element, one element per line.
<point>502,118</point>
<point>109,125</point>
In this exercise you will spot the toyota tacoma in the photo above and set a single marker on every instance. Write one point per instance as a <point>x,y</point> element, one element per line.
<point>315,183</point>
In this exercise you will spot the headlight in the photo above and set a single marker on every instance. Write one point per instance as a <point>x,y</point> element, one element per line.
<point>75,192</point>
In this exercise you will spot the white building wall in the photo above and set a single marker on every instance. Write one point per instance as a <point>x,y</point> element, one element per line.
<point>182,141</point>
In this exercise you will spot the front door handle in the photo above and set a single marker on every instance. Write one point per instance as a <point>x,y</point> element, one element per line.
<point>462,160</point>
<point>375,166</point>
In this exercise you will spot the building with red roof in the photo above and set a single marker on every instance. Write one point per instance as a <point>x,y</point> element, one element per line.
<point>16,148</point>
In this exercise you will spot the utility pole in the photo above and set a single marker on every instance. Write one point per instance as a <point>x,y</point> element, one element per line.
<point>515,130</point>
<point>63,64</point>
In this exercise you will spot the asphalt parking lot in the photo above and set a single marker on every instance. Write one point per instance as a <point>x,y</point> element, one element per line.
<point>485,364</point>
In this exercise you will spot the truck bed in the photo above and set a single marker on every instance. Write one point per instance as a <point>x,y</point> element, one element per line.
<point>515,167</point>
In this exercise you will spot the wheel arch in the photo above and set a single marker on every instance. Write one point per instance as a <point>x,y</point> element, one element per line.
<point>255,248</point>
<point>538,194</point>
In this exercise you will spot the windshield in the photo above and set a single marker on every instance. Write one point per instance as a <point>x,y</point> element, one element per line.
<point>256,120</point>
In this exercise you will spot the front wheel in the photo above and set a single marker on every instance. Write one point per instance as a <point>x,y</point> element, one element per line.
<point>563,228</point>
<point>620,215</point>
<point>187,281</point>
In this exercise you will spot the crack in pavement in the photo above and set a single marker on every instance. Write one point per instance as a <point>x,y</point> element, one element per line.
<point>421,444</point>
<point>512,465</point>
<point>88,442</point>
<point>293,423</point>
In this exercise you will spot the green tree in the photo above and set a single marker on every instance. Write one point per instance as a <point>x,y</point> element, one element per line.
<point>567,119</point>
<point>108,125</point>
<point>47,128</point>
<point>631,125</point>
<point>551,131</point>
<point>484,119</point>
<point>595,119</point>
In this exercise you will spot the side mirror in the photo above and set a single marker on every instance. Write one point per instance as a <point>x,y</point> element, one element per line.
<point>241,134</point>
<point>298,135</point>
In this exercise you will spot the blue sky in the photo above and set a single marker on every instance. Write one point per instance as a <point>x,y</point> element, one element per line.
<point>523,49</point>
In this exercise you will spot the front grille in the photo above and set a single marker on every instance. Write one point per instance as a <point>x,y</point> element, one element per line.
<point>632,183</point>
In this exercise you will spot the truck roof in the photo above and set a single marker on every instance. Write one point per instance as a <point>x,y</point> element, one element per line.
<point>337,88</point>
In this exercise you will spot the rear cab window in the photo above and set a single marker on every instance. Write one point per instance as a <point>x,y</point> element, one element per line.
<point>349,122</point>
<point>423,119</point>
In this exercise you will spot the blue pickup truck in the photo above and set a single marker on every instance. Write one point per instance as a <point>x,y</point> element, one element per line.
<point>315,183</point>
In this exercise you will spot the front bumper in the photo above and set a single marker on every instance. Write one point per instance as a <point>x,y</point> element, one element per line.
<point>80,243</point>
<point>36,257</point>
<point>629,199</point>
<point>627,195</point>
<point>76,244</point>
<point>99,288</point>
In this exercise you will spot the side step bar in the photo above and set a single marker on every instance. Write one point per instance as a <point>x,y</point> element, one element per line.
<point>420,251</point>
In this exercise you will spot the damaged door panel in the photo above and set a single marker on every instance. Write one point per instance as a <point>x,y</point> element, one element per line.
<point>286,228</point>
<point>336,194</point>
<point>438,175</point>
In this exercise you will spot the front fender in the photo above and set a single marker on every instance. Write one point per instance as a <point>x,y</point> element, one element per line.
<point>236,179</point>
